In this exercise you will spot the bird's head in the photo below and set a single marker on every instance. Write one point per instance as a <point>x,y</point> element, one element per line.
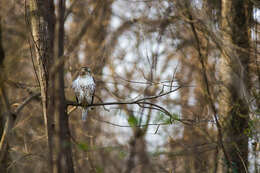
<point>84,71</point>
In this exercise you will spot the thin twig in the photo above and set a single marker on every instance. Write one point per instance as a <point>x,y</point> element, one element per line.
<point>140,125</point>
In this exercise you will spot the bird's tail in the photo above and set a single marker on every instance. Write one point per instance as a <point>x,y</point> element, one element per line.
<point>84,113</point>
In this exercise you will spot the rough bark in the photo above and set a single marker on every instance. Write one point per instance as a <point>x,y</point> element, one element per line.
<point>39,32</point>
<point>42,28</point>
<point>234,75</point>
<point>2,53</point>
<point>6,121</point>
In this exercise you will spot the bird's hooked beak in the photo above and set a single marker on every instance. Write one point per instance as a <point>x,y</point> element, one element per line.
<point>84,71</point>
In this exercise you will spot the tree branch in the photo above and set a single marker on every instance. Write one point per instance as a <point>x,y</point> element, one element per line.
<point>25,102</point>
<point>140,102</point>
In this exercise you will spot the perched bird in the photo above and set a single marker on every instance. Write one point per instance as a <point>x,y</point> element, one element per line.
<point>84,88</point>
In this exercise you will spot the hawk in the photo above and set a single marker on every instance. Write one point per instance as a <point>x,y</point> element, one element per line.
<point>84,88</point>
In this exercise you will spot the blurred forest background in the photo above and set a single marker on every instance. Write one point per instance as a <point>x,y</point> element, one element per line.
<point>178,86</point>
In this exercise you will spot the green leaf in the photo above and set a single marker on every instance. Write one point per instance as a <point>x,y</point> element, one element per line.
<point>99,169</point>
<point>175,116</point>
<point>108,149</point>
<point>132,120</point>
<point>162,118</point>
<point>159,117</point>
<point>168,121</point>
<point>83,146</point>
<point>257,111</point>
<point>122,154</point>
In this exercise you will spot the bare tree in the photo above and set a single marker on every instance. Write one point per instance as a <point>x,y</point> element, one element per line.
<point>65,161</point>
<point>43,26</point>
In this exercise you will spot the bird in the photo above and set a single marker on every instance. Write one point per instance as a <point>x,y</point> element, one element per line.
<point>84,88</point>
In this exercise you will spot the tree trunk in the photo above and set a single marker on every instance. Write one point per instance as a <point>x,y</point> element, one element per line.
<point>65,161</point>
<point>42,26</point>
<point>233,106</point>
<point>7,118</point>
<point>138,152</point>
<point>39,32</point>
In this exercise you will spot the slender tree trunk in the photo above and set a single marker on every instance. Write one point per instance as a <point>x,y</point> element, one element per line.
<point>138,152</point>
<point>130,163</point>
<point>65,160</point>
<point>234,74</point>
<point>138,160</point>
<point>39,32</point>
<point>6,117</point>
<point>8,122</point>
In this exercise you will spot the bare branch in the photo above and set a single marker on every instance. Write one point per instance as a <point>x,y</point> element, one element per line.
<point>25,102</point>
<point>138,101</point>
<point>118,125</point>
<point>141,103</point>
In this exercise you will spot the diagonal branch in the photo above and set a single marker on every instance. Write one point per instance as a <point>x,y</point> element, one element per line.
<point>25,102</point>
<point>11,116</point>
